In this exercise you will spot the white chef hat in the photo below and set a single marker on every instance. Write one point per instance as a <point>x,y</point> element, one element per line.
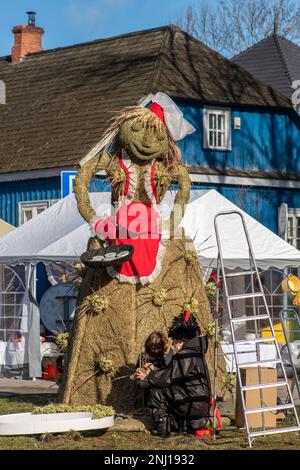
<point>167,110</point>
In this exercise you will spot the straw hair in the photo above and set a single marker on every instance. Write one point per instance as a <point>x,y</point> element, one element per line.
<point>110,140</point>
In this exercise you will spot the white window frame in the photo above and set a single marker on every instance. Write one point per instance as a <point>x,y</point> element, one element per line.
<point>33,206</point>
<point>226,112</point>
<point>294,216</point>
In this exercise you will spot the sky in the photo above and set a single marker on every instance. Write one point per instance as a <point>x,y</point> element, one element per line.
<point>73,21</point>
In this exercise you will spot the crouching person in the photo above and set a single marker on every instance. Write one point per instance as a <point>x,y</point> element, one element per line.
<point>181,392</point>
<point>156,356</point>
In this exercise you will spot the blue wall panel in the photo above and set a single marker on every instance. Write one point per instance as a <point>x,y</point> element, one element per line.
<point>30,190</point>
<point>267,141</point>
<point>34,190</point>
<point>261,203</point>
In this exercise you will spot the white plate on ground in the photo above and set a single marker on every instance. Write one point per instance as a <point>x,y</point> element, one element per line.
<point>27,423</point>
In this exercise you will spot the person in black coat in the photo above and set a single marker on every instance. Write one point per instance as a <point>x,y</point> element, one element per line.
<point>156,356</point>
<point>181,392</point>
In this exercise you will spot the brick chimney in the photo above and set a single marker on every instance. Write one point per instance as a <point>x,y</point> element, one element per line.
<point>28,38</point>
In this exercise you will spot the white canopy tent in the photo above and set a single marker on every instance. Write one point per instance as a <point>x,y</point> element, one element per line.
<point>269,249</point>
<point>60,234</point>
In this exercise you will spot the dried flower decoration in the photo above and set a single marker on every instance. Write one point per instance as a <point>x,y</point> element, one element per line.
<point>191,257</point>
<point>80,269</point>
<point>62,341</point>
<point>210,329</point>
<point>97,303</point>
<point>228,382</point>
<point>105,365</point>
<point>192,306</point>
<point>160,297</point>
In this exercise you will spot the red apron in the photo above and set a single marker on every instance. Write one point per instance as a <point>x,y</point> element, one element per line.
<point>138,225</point>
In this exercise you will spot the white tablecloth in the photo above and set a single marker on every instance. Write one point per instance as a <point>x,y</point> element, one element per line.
<point>247,353</point>
<point>14,354</point>
<point>50,350</point>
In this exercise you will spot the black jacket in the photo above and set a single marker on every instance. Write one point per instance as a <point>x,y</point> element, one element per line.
<point>186,378</point>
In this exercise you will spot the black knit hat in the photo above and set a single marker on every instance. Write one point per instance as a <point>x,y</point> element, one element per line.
<point>184,326</point>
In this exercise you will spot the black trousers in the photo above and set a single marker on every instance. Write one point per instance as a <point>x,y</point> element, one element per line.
<point>161,403</point>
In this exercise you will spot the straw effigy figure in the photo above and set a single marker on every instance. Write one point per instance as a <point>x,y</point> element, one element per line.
<point>119,306</point>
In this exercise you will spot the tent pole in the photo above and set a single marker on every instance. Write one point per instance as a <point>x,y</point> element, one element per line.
<point>34,350</point>
<point>216,347</point>
<point>34,294</point>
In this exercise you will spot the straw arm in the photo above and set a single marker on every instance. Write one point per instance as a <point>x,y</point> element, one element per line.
<point>181,198</point>
<point>82,183</point>
<point>184,183</point>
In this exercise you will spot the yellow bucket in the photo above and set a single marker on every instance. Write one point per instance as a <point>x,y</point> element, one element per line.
<point>291,284</point>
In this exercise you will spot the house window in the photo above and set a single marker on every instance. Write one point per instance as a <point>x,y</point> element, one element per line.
<point>293,235</point>
<point>217,129</point>
<point>31,209</point>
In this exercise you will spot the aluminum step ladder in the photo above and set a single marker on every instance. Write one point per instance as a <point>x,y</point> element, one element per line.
<point>256,318</point>
<point>289,314</point>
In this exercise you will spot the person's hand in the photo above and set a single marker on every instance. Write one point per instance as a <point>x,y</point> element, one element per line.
<point>42,339</point>
<point>141,376</point>
<point>149,366</point>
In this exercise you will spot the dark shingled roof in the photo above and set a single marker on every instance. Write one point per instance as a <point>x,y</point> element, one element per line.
<point>275,60</point>
<point>59,101</point>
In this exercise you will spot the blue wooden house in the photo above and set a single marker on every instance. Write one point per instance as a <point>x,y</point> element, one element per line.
<point>58,103</point>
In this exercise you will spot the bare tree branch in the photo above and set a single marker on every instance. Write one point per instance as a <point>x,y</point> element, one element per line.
<point>230,26</point>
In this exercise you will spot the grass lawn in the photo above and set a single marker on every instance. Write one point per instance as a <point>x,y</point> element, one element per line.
<point>230,438</point>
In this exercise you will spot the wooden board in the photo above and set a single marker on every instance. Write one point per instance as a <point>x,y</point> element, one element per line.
<point>249,376</point>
